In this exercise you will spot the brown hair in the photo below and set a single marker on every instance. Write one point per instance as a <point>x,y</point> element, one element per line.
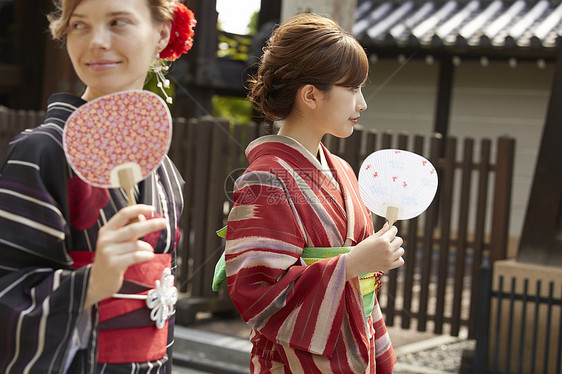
<point>161,11</point>
<point>306,49</point>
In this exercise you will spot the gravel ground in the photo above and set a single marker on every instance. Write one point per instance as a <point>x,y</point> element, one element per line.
<point>445,358</point>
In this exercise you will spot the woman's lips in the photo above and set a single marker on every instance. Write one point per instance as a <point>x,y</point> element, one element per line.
<point>102,65</point>
<point>354,120</point>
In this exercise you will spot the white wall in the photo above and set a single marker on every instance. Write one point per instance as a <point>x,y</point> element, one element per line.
<point>341,11</point>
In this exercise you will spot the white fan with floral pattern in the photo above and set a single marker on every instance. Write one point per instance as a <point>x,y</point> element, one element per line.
<point>397,184</point>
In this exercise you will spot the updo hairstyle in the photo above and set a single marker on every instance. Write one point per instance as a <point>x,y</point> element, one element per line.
<point>161,10</point>
<point>306,49</point>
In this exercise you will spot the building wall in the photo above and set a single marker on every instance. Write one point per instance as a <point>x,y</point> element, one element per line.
<point>488,102</point>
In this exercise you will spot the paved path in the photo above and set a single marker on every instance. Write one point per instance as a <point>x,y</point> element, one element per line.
<point>214,352</point>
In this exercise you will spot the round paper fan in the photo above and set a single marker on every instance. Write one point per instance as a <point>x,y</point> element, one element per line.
<point>397,184</point>
<point>118,139</point>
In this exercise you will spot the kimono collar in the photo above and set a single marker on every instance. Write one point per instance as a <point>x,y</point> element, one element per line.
<point>60,106</point>
<point>275,144</point>
<point>359,223</point>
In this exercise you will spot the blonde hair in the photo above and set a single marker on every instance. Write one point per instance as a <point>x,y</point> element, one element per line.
<point>305,49</point>
<point>161,10</point>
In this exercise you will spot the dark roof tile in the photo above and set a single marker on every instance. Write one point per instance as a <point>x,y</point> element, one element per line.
<point>497,24</point>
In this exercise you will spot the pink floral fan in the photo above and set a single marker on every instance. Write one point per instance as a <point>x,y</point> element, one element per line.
<point>397,184</point>
<point>117,140</point>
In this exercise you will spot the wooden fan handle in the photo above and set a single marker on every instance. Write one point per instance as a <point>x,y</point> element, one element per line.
<point>127,183</point>
<point>391,214</point>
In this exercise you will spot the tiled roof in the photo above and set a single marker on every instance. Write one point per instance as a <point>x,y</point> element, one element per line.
<point>491,24</point>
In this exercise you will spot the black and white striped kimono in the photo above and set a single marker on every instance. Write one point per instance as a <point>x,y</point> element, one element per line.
<point>46,213</point>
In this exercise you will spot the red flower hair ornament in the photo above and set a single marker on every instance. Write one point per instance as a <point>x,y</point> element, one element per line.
<point>181,41</point>
<point>181,35</point>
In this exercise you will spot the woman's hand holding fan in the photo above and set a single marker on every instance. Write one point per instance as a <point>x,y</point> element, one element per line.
<point>393,184</point>
<point>116,141</point>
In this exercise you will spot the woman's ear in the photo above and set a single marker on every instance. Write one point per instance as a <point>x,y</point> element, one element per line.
<point>164,36</point>
<point>308,95</point>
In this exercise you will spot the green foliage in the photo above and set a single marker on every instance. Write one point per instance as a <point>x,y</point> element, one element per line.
<point>234,109</point>
<point>253,24</point>
<point>237,47</point>
<point>234,47</point>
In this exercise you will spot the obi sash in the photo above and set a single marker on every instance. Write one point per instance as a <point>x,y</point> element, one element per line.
<point>370,283</point>
<point>126,329</point>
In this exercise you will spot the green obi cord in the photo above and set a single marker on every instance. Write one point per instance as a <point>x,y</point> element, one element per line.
<point>220,268</point>
<point>368,282</point>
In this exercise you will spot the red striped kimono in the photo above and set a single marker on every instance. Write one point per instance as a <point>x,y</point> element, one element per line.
<point>304,319</point>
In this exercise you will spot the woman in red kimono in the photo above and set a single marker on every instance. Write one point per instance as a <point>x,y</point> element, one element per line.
<point>302,262</point>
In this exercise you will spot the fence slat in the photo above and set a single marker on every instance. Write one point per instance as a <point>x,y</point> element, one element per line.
<point>352,149</point>
<point>386,143</point>
<point>559,356</point>
<point>536,326</point>
<point>236,147</point>
<point>479,231</point>
<point>447,180</point>
<point>498,325</point>
<point>523,325</point>
<point>214,245</point>
<point>251,134</point>
<point>427,246</point>
<point>201,172</point>
<point>392,285</point>
<point>509,342</point>
<point>548,324</point>
<point>411,254</point>
<point>371,142</point>
<point>462,233</point>
<point>483,318</point>
<point>180,155</point>
<point>502,198</point>
<point>5,133</point>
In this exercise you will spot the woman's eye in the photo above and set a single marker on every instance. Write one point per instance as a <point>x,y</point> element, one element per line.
<point>77,25</point>
<point>119,22</point>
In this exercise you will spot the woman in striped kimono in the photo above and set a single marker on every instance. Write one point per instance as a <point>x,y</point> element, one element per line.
<point>62,309</point>
<point>302,262</point>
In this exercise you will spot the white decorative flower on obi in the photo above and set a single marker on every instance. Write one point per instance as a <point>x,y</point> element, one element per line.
<point>162,298</point>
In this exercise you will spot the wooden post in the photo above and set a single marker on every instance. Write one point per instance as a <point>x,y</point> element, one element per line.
<point>502,198</point>
<point>202,63</point>
<point>444,92</point>
<point>541,241</point>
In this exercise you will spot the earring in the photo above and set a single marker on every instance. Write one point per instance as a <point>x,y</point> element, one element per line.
<point>160,68</point>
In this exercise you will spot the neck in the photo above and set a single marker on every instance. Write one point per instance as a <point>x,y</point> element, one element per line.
<point>302,132</point>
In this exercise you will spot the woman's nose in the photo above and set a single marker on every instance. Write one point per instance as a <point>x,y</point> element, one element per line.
<point>362,104</point>
<point>100,38</point>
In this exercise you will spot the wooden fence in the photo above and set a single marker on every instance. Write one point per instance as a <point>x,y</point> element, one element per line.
<point>519,331</point>
<point>437,286</point>
<point>434,287</point>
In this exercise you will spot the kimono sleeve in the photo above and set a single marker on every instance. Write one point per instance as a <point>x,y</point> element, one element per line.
<point>41,296</point>
<point>299,306</point>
